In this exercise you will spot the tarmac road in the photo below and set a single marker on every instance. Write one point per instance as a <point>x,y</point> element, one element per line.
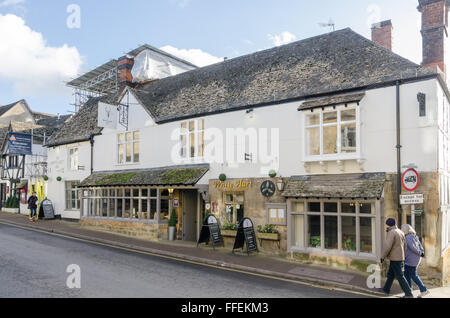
<point>34,264</point>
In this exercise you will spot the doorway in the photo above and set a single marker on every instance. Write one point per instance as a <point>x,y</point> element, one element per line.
<point>190,215</point>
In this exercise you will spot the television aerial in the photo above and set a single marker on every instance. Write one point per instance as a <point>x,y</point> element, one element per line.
<point>329,24</point>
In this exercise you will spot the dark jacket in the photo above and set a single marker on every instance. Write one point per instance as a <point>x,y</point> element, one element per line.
<point>32,202</point>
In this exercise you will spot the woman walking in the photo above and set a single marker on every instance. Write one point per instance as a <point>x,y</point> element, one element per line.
<point>414,253</point>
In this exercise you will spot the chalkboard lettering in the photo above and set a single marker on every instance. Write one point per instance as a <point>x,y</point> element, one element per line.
<point>246,236</point>
<point>211,232</point>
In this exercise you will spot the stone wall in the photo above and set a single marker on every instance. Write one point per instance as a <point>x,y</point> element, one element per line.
<point>145,231</point>
<point>254,208</point>
<point>432,264</point>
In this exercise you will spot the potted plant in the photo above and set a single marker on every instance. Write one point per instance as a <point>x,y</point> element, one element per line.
<point>229,230</point>
<point>173,225</point>
<point>268,232</point>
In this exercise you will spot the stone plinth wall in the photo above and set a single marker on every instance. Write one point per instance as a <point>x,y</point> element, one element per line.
<point>145,231</point>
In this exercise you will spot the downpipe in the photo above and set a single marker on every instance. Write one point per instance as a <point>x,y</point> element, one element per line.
<point>399,148</point>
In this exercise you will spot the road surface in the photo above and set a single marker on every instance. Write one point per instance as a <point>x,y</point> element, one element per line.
<point>34,264</point>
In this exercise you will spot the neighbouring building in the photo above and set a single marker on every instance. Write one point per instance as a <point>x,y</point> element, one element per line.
<point>336,117</point>
<point>19,173</point>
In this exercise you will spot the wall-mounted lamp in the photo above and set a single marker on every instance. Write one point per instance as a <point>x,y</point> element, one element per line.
<point>170,191</point>
<point>280,185</point>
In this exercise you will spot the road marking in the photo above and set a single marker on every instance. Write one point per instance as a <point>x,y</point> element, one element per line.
<point>194,262</point>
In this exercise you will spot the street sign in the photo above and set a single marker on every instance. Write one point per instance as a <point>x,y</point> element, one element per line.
<point>19,144</point>
<point>410,180</point>
<point>410,199</point>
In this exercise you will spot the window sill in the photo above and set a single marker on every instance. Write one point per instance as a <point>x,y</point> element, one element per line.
<point>124,220</point>
<point>328,158</point>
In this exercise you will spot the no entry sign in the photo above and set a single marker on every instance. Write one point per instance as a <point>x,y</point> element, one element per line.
<point>410,180</point>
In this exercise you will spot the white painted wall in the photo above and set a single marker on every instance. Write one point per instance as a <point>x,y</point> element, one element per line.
<point>378,136</point>
<point>59,165</point>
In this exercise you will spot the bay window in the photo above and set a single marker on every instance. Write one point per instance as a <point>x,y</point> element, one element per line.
<point>332,133</point>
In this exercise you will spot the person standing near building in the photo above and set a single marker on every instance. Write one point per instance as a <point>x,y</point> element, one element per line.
<point>394,251</point>
<point>32,205</point>
<point>414,253</point>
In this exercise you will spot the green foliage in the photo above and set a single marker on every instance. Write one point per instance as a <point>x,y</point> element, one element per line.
<point>59,179</point>
<point>223,177</point>
<point>12,203</point>
<point>272,173</point>
<point>230,227</point>
<point>45,178</point>
<point>268,228</point>
<point>315,241</point>
<point>173,218</point>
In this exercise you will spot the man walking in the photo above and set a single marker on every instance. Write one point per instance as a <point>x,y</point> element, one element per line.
<point>32,205</point>
<point>394,251</point>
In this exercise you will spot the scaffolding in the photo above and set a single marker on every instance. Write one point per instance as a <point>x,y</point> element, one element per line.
<point>36,166</point>
<point>101,81</point>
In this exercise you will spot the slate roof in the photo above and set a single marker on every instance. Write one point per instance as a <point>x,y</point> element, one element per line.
<point>81,125</point>
<point>351,186</point>
<point>168,176</point>
<point>332,101</point>
<point>325,64</point>
<point>52,124</point>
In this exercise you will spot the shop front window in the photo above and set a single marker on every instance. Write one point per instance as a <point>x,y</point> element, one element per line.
<point>334,225</point>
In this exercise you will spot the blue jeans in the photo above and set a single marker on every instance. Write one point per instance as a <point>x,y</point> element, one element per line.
<point>411,274</point>
<point>33,212</point>
<point>396,272</point>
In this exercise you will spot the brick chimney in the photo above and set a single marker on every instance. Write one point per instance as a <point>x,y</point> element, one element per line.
<point>434,32</point>
<point>125,64</point>
<point>382,34</point>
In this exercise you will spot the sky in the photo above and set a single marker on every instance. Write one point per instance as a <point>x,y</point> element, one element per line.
<point>46,43</point>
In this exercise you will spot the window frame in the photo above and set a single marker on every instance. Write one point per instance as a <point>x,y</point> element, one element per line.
<point>339,214</point>
<point>339,124</point>
<point>186,132</point>
<point>124,144</point>
<point>72,155</point>
<point>68,198</point>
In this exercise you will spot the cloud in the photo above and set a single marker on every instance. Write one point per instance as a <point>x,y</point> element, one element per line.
<point>6,3</point>
<point>29,64</point>
<point>195,56</point>
<point>283,38</point>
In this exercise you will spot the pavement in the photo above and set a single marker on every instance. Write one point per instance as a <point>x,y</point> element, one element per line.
<point>257,264</point>
<point>38,265</point>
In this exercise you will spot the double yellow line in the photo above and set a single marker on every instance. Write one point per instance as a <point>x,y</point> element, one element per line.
<point>195,262</point>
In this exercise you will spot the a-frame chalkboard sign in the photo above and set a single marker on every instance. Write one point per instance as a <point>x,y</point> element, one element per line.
<point>246,235</point>
<point>211,232</point>
<point>47,208</point>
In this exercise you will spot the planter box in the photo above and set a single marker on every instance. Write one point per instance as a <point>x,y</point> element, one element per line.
<point>269,236</point>
<point>11,210</point>
<point>229,233</point>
